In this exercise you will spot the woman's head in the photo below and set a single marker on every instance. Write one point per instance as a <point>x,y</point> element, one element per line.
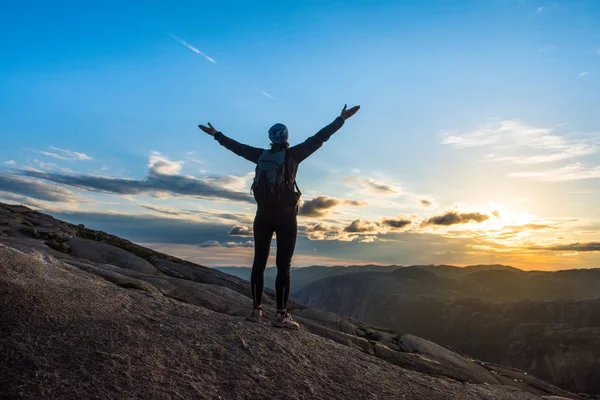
<point>278,134</point>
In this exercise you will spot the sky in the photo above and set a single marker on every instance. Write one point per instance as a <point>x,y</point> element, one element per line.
<point>477,142</point>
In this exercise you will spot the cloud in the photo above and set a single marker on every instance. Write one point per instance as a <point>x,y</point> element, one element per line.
<point>571,172</point>
<point>192,48</point>
<point>540,145</point>
<point>321,227</point>
<point>216,243</point>
<point>510,132</point>
<point>360,226</point>
<point>322,231</point>
<point>454,217</point>
<point>160,181</point>
<point>163,210</point>
<point>549,48</point>
<point>162,165</point>
<point>583,247</point>
<point>205,215</point>
<point>598,52</point>
<point>65,155</point>
<point>425,203</point>
<point>320,206</point>
<point>578,150</point>
<point>583,74</point>
<point>33,188</point>
<point>240,230</point>
<point>10,162</point>
<point>370,184</point>
<point>539,10</point>
<point>396,223</point>
<point>512,232</point>
<point>28,201</point>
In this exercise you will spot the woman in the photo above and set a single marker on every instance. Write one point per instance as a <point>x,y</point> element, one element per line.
<point>277,195</point>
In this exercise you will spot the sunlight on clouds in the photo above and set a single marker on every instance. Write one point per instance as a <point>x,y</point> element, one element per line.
<point>163,165</point>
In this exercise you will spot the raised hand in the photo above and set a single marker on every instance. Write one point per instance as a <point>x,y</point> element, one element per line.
<point>348,113</point>
<point>208,129</point>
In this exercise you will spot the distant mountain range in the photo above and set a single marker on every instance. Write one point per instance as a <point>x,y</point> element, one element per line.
<point>305,275</point>
<point>547,323</point>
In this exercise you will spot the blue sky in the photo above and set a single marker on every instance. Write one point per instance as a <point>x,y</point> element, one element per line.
<point>479,124</point>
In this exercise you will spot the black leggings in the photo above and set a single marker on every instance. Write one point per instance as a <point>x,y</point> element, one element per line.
<point>284,224</point>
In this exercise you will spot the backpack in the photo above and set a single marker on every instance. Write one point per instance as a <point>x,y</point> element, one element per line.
<point>272,185</point>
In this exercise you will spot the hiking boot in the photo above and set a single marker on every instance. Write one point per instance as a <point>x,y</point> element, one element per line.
<point>285,320</point>
<point>255,315</point>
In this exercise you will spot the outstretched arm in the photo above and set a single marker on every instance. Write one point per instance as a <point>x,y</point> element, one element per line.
<point>303,150</point>
<point>250,153</point>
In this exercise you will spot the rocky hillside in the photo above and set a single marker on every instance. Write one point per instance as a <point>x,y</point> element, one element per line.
<point>84,314</point>
<point>556,340</point>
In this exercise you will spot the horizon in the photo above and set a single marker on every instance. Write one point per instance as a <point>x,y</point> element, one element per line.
<point>477,141</point>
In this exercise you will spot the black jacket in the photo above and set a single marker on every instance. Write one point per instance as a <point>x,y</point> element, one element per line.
<point>295,155</point>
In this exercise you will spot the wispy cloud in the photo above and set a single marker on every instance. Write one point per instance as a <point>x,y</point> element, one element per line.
<point>10,162</point>
<point>539,10</point>
<point>547,49</point>
<point>192,48</point>
<point>571,172</point>
<point>583,74</point>
<point>63,154</point>
<point>513,136</point>
<point>373,186</point>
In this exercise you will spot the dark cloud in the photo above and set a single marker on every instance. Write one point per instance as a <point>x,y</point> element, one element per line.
<point>360,226</point>
<point>240,230</point>
<point>453,218</point>
<point>590,246</point>
<point>162,210</point>
<point>238,218</point>
<point>33,188</point>
<point>396,223</point>
<point>154,183</point>
<point>426,203</point>
<point>319,206</point>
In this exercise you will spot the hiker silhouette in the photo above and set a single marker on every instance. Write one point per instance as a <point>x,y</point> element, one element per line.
<point>277,196</point>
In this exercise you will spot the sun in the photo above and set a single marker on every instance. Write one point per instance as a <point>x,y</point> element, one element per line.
<point>502,217</point>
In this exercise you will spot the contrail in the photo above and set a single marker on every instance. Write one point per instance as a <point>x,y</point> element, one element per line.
<point>192,48</point>
<point>268,95</point>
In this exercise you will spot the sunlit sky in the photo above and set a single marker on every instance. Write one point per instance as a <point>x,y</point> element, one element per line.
<point>477,140</point>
